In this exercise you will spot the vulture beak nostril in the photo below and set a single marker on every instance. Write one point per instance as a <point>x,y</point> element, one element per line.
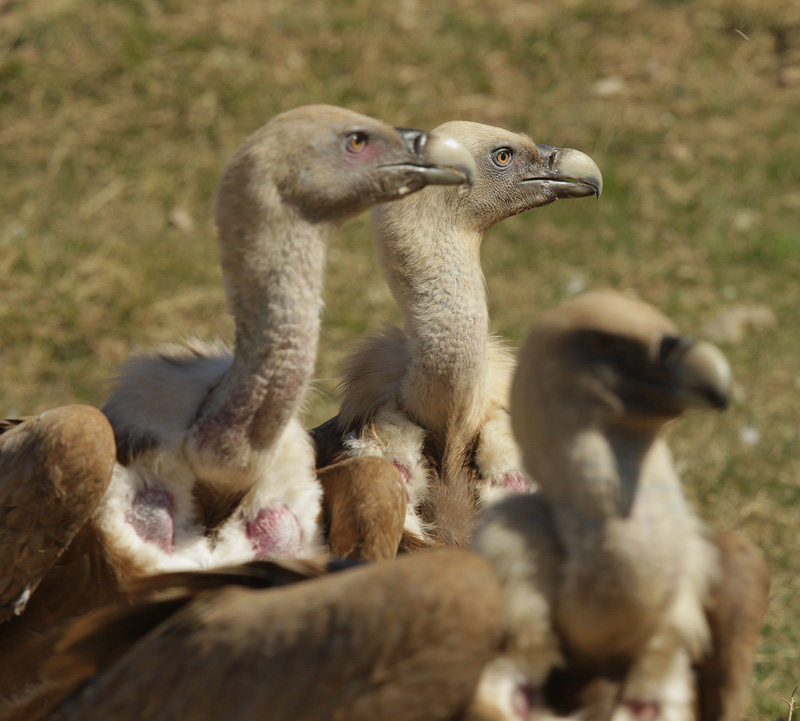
<point>668,346</point>
<point>577,172</point>
<point>436,158</point>
<point>414,140</point>
<point>549,155</point>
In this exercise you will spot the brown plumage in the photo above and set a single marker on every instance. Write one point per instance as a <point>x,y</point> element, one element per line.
<point>735,610</point>
<point>433,397</point>
<point>397,641</point>
<point>54,469</point>
<point>364,504</point>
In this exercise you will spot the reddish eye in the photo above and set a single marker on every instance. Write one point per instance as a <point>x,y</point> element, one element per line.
<point>356,142</point>
<point>502,157</point>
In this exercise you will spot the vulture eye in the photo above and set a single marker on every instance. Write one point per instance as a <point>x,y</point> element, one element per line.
<point>602,344</point>
<point>502,157</point>
<point>356,142</point>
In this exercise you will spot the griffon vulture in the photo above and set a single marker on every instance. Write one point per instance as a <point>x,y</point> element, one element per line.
<point>432,397</point>
<point>197,425</point>
<point>608,573</point>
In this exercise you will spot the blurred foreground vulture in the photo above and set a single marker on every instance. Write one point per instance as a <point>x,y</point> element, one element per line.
<point>607,572</point>
<point>432,398</point>
<point>199,426</point>
<point>212,463</point>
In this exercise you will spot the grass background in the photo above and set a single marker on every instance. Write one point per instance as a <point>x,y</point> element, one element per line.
<point>116,117</point>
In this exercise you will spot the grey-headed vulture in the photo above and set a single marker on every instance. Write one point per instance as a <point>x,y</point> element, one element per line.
<point>432,398</point>
<point>199,426</point>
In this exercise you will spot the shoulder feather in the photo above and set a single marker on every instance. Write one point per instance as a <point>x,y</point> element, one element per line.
<point>373,375</point>
<point>501,363</point>
<point>156,396</point>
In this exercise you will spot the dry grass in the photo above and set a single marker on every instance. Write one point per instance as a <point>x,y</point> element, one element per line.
<point>115,113</point>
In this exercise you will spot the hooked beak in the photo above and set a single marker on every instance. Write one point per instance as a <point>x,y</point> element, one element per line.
<point>700,373</point>
<point>437,158</point>
<point>686,374</point>
<point>568,173</point>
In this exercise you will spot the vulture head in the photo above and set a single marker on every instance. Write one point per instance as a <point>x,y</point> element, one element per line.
<point>612,363</point>
<point>327,164</point>
<point>513,174</point>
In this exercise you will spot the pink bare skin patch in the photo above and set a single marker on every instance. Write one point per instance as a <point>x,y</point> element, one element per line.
<point>152,516</point>
<point>275,533</point>
<point>516,483</point>
<point>403,471</point>
<point>643,710</point>
<point>521,702</point>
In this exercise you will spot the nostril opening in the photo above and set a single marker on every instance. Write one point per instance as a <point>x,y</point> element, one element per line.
<point>414,140</point>
<point>549,155</point>
<point>668,346</point>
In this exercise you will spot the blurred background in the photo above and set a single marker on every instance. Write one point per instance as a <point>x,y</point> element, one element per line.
<point>116,117</point>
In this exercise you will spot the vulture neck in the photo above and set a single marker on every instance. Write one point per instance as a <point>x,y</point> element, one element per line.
<point>617,514</point>
<point>592,477</point>
<point>433,268</point>
<point>273,268</point>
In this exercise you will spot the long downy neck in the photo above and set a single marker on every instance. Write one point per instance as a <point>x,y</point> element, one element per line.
<point>273,274</point>
<point>618,516</point>
<point>434,272</point>
<point>593,478</point>
<point>433,268</point>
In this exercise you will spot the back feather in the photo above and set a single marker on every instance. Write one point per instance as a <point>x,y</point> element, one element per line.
<point>374,375</point>
<point>98,639</point>
<point>157,396</point>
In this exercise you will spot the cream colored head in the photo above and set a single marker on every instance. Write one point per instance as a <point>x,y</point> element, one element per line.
<point>610,362</point>
<point>513,174</point>
<point>329,163</point>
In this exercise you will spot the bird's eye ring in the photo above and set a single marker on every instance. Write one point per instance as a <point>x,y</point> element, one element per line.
<point>356,142</point>
<point>502,157</point>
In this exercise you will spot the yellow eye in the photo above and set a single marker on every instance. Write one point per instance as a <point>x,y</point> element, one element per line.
<point>502,157</point>
<point>356,142</point>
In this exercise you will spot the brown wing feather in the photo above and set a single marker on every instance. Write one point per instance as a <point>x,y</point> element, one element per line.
<point>450,507</point>
<point>53,471</point>
<point>96,640</point>
<point>6,424</point>
<point>364,504</point>
<point>81,580</point>
<point>735,612</point>
<point>412,634</point>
